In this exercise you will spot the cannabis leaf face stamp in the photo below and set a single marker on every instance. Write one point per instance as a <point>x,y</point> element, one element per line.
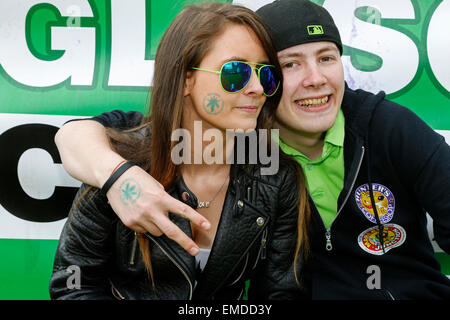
<point>213,103</point>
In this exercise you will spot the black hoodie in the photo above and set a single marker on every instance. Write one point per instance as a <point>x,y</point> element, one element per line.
<point>393,159</point>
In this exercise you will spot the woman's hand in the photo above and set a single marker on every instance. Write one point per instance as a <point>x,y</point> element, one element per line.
<point>143,205</point>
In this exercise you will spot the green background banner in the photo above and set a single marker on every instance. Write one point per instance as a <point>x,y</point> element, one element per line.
<point>65,58</point>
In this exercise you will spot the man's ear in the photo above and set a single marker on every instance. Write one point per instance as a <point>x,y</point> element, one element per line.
<point>189,84</point>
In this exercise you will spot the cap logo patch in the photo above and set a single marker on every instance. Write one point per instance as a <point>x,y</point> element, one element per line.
<point>314,30</point>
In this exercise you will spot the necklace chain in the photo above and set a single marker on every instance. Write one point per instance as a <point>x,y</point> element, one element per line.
<point>205,204</point>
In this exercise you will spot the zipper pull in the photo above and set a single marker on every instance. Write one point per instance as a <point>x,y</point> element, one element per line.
<point>263,244</point>
<point>133,249</point>
<point>328,246</point>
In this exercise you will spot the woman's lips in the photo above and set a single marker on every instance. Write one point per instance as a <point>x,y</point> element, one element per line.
<point>249,109</point>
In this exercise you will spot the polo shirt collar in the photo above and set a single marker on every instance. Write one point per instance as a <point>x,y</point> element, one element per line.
<point>334,137</point>
<point>336,133</point>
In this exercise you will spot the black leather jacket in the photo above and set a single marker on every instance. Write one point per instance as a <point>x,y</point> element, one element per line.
<point>255,239</point>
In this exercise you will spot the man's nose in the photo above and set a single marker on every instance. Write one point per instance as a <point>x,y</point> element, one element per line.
<point>314,76</point>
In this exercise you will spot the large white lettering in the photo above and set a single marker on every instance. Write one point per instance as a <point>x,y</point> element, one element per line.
<point>439,44</point>
<point>390,45</point>
<point>78,44</point>
<point>128,64</point>
<point>38,174</point>
<point>129,67</point>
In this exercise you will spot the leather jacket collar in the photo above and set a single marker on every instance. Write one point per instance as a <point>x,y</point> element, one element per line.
<point>249,227</point>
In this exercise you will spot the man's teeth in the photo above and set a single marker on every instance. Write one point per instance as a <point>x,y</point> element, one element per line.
<point>313,102</point>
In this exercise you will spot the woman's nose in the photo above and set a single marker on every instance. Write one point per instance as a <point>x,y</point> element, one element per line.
<point>254,86</point>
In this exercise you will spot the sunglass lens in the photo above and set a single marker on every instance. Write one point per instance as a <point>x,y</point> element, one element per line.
<point>235,76</point>
<point>268,80</point>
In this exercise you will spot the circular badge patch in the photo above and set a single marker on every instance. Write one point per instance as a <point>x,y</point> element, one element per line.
<point>384,202</point>
<point>393,236</point>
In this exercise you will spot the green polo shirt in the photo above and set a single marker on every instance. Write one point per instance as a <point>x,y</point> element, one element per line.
<point>325,175</point>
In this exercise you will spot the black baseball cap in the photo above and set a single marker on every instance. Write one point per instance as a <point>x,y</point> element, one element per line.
<point>294,22</point>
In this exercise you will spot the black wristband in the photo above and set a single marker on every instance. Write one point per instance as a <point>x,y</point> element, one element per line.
<point>116,175</point>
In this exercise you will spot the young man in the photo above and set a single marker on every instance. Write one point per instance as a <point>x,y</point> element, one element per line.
<point>373,168</point>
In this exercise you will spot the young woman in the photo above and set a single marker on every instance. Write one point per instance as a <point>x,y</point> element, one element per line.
<point>215,68</point>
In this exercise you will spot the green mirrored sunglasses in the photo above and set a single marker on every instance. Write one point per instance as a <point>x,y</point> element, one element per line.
<point>236,75</point>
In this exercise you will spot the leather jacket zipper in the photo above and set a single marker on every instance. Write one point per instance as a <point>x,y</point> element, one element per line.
<point>240,294</point>
<point>116,294</point>
<point>176,264</point>
<point>242,272</point>
<point>264,244</point>
<point>262,254</point>
<point>133,250</point>
<point>262,250</point>
<point>249,194</point>
<point>329,245</point>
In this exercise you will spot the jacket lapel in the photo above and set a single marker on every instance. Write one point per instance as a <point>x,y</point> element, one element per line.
<point>239,217</point>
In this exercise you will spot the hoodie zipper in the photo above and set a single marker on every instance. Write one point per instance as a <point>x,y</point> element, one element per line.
<point>329,245</point>
<point>176,264</point>
<point>390,295</point>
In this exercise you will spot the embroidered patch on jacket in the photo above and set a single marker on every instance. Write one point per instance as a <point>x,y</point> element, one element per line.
<point>393,236</point>
<point>384,202</point>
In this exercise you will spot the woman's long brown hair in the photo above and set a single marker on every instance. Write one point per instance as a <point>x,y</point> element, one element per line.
<point>183,46</point>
